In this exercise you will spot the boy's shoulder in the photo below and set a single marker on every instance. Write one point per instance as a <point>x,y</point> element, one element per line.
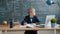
<point>28,16</point>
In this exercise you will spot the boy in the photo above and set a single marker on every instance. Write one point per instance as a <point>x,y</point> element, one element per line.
<point>31,19</point>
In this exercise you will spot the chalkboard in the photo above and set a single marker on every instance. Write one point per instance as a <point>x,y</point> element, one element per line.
<point>18,9</point>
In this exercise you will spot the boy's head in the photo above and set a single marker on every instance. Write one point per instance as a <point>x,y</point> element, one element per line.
<point>31,11</point>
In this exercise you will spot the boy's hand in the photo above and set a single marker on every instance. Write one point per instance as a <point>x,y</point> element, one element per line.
<point>33,24</point>
<point>25,23</point>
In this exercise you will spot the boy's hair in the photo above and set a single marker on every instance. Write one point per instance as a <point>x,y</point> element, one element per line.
<point>31,8</point>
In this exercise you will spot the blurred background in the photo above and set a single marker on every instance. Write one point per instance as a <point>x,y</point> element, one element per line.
<point>17,9</point>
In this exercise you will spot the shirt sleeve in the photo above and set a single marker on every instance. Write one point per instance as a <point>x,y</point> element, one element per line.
<point>22,23</point>
<point>37,20</point>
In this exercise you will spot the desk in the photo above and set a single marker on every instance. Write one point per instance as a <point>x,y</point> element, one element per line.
<point>18,28</point>
<point>6,28</point>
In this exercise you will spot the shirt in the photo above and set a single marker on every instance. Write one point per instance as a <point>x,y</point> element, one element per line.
<point>30,20</point>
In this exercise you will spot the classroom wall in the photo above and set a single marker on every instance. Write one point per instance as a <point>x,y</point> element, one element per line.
<point>17,9</point>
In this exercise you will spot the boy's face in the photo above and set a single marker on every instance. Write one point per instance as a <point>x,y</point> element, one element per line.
<point>31,12</point>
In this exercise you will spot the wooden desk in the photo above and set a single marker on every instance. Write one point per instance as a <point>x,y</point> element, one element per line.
<point>6,28</point>
<point>18,28</point>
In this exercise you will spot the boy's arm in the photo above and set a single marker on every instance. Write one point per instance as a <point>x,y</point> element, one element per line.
<point>37,21</point>
<point>24,21</point>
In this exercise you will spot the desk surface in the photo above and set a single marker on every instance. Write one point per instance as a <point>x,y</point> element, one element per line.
<point>18,28</point>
